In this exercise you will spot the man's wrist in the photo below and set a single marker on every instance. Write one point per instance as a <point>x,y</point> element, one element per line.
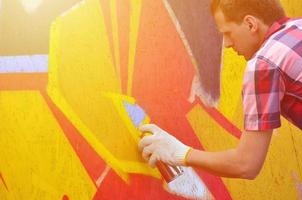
<point>181,155</point>
<point>186,156</point>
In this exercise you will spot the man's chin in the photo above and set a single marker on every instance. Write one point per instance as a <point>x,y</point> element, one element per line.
<point>246,57</point>
<point>242,55</point>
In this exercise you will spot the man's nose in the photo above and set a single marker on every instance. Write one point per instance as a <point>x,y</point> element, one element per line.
<point>227,43</point>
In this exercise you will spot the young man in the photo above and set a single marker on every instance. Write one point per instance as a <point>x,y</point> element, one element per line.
<point>272,44</point>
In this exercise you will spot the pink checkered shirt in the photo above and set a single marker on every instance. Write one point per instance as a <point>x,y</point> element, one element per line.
<point>272,84</point>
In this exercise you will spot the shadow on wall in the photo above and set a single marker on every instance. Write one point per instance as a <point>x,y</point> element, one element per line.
<point>196,27</point>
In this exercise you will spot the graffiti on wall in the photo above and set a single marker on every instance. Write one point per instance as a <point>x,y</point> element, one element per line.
<point>67,129</point>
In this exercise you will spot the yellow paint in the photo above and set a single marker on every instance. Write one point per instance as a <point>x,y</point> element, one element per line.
<point>37,161</point>
<point>293,8</point>
<point>135,7</point>
<point>296,140</point>
<point>275,180</point>
<point>86,86</point>
<point>81,75</point>
<point>133,137</point>
<point>209,132</point>
<point>118,100</point>
<point>230,104</point>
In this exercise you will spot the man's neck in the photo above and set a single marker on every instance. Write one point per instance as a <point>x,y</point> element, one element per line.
<point>277,25</point>
<point>263,30</point>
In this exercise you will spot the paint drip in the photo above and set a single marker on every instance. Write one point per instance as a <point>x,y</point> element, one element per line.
<point>189,185</point>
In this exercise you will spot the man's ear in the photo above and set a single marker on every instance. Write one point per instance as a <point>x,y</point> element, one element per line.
<point>251,23</point>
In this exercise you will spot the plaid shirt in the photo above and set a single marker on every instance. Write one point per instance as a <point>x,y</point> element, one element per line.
<point>272,82</point>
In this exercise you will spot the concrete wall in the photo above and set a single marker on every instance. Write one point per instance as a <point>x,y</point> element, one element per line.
<point>66,133</point>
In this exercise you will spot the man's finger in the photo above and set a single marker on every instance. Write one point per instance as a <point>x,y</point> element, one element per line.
<point>145,141</point>
<point>148,151</point>
<point>153,159</point>
<point>152,128</point>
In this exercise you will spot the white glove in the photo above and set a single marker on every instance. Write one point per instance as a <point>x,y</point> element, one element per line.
<point>161,146</point>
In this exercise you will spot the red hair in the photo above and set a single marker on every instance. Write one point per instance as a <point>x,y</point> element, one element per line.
<point>268,11</point>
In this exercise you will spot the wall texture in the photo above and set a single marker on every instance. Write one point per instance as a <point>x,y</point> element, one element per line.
<point>66,133</point>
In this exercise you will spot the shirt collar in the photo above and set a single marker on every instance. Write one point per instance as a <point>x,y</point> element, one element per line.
<point>276,27</point>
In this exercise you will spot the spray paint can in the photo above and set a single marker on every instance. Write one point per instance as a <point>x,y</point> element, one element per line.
<point>168,172</point>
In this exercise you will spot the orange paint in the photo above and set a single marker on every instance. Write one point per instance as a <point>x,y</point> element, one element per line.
<point>123,12</point>
<point>23,81</point>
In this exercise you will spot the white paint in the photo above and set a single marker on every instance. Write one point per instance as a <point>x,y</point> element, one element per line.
<point>198,91</point>
<point>31,6</point>
<point>24,64</point>
<point>102,176</point>
<point>74,7</point>
<point>190,186</point>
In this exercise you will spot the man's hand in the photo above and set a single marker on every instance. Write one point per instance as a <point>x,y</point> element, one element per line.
<point>161,146</point>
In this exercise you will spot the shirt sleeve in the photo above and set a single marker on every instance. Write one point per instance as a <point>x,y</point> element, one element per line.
<point>262,92</point>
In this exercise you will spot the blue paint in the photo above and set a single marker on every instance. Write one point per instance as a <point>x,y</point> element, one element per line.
<point>135,112</point>
<point>24,64</point>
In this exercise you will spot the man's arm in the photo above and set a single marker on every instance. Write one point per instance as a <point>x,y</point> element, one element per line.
<point>245,161</point>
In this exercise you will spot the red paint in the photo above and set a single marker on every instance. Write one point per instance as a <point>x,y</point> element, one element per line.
<point>112,187</point>
<point>221,120</point>
<point>140,187</point>
<point>162,56</point>
<point>89,158</point>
